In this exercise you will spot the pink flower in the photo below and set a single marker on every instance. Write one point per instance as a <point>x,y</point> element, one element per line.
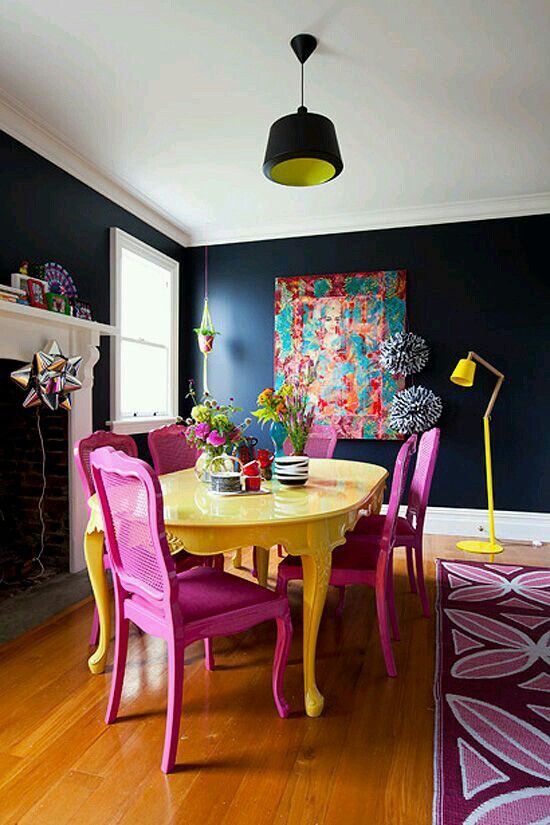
<point>202,430</point>
<point>215,439</point>
<point>235,435</point>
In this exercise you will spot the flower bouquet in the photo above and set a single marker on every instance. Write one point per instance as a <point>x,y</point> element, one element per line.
<point>272,409</point>
<point>300,414</point>
<point>290,407</point>
<point>211,430</point>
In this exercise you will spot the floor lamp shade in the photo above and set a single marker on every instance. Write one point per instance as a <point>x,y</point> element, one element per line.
<point>302,150</point>
<point>464,373</point>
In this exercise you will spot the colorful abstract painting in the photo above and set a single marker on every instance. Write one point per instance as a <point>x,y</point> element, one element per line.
<point>338,321</point>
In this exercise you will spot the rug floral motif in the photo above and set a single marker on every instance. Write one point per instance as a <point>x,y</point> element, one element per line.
<point>338,322</point>
<point>492,692</point>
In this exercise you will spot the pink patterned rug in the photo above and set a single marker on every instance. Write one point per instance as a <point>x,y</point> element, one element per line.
<point>492,693</point>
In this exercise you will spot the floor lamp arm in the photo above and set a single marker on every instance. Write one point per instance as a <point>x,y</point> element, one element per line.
<point>493,398</point>
<point>473,356</point>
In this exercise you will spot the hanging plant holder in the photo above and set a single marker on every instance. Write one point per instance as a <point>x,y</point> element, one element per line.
<point>206,343</point>
<point>206,332</point>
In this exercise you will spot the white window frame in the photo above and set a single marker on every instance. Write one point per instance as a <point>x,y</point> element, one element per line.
<point>120,240</point>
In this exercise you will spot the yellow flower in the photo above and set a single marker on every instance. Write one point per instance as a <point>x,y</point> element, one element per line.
<point>220,421</point>
<point>265,396</point>
<point>200,413</point>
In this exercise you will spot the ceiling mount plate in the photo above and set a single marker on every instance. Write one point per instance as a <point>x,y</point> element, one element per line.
<point>303,46</point>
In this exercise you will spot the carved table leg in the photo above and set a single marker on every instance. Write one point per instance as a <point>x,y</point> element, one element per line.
<point>377,501</point>
<point>93,550</point>
<point>316,577</point>
<point>238,558</point>
<point>262,565</point>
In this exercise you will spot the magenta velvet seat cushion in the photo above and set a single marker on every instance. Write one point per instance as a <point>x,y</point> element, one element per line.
<point>205,593</point>
<point>354,555</point>
<point>373,526</point>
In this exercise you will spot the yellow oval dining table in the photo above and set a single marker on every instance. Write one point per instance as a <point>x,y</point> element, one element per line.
<point>308,521</point>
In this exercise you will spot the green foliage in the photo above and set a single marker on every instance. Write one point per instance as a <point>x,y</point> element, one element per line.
<point>206,331</point>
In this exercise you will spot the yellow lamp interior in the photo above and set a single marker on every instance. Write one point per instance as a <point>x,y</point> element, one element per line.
<point>302,172</point>
<point>464,373</point>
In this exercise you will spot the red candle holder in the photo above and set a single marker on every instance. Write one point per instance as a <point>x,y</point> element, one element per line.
<point>252,484</point>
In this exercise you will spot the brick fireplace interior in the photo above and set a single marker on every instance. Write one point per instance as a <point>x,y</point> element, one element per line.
<point>21,486</point>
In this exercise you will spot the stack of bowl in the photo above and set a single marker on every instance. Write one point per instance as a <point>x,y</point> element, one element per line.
<point>292,469</point>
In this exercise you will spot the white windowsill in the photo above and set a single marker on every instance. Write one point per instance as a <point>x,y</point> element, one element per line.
<point>133,426</point>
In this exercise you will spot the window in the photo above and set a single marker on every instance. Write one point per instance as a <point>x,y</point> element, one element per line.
<point>144,306</point>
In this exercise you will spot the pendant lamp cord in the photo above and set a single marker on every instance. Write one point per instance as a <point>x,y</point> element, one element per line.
<point>302,83</point>
<point>206,317</point>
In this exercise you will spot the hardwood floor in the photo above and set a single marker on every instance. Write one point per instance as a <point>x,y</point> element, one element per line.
<point>368,759</point>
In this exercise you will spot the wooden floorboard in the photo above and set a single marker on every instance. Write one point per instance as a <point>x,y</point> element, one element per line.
<point>368,759</point>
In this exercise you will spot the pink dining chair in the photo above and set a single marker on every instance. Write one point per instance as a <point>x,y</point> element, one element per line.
<point>170,451</point>
<point>410,528</point>
<point>371,565</point>
<point>180,608</point>
<point>82,452</point>
<point>321,442</point>
<point>126,444</point>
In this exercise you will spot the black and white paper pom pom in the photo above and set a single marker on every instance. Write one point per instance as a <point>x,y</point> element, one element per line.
<point>404,353</point>
<point>414,410</point>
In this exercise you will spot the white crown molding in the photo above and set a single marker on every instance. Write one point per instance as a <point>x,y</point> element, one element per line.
<point>458,212</point>
<point>513,525</point>
<point>21,124</point>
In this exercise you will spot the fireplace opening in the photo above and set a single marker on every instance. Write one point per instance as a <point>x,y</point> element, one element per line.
<point>21,484</point>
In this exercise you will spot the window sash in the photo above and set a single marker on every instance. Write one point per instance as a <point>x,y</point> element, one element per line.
<point>145,379</point>
<point>151,418</point>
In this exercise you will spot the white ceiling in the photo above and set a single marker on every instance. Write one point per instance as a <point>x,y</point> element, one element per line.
<point>435,103</point>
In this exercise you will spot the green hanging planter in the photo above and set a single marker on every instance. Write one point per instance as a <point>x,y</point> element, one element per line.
<point>206,332</point>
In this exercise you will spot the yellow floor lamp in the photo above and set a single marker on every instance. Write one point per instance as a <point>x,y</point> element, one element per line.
<point>464,376</point>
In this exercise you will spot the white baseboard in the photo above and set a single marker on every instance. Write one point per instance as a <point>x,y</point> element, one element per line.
<point>509,524</point>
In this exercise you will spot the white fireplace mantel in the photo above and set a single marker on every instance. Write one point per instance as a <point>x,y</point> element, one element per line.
<point>25,330</point>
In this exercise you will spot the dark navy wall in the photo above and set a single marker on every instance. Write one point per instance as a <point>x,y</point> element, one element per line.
<point>482,285</point>
<point>47,215</point>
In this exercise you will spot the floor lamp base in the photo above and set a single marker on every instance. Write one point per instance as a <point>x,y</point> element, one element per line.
<point>480,547</point>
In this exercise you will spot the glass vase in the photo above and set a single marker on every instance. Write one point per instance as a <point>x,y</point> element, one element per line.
<point>278,434</point>
<point>201,467</point>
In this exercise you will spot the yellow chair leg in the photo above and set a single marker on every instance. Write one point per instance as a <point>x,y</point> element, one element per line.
<point>93,550</point>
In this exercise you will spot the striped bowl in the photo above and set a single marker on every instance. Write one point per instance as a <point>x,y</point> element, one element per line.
<point>292,469</point>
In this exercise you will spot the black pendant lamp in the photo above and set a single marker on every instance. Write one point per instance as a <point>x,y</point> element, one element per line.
<point>302,148</point>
